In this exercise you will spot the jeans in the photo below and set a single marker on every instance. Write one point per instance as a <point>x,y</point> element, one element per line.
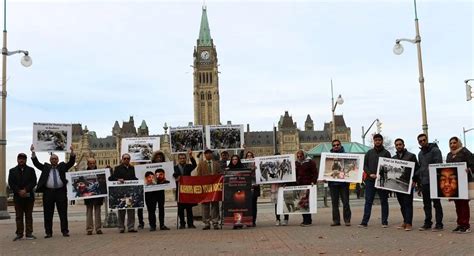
<point>340,191</point>
<point>406,206</point>
<point>427,207</point>
<point>369,200</point>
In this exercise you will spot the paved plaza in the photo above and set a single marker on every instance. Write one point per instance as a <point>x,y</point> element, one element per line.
<point>265,239</point>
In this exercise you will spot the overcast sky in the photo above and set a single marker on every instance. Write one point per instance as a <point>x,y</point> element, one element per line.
<point>95,62</point>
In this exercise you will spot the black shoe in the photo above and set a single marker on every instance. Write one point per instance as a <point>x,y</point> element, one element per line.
<point>464,230</point>
<point>254,224</point>
<point>362,225</point>
<point>335,224</point>
<point>456,229</point>
<point>152,229</point>
<point>122,231</point>
<point>437,228</point>
<point>48,236</point>
<point>206,228</point>
<point>99,232</point>
<point>141,226</point>
<point>182,227</point>
<point>30,237</point>
<point>18,237</point>
<point>216,227</point>
<point>191,226</point>
<point>132,231</point>
<point>164,228</point>
<point>424,227</point>
<point>89,233</point>
<point>66,234</point>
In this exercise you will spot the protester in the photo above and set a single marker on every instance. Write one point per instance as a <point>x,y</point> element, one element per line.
<point>458,153</point>
<point>234,164</point>
<point>184,169</point>
<point>371,161</point>
<point>306,174</point>
<point>124,172</point>
<point>429,154</point>
<point>224,159</point>
<point>52,183</point>
<point>93,205</point>
<point>406,200</point>
<point>22,181</point>
<point>339,190</point>
<point>210,211</point>
<point>255,188</point>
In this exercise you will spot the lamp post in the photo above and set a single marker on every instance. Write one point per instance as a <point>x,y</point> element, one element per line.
<point>339,101</point>
<point>365,133</point>
<point>468,89</point>
<point>25,61</point>
<point>464,131</point>
<point>398,49</point>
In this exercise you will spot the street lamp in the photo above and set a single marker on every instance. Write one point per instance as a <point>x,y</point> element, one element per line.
<point>468,89</point>
<point>398,49</point>
<point>464,131</point>
<point>25,61</point>
<point>339,101</point>
<point>365,133</point>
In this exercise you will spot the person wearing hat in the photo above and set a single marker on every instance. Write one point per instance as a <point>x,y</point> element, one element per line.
<point>210,211</point>
<point>22,181</point>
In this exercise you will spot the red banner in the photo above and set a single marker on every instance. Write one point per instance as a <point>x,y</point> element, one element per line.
<point>200,189</point>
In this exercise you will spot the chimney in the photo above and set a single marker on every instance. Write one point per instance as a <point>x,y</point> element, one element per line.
<point>248,127</point>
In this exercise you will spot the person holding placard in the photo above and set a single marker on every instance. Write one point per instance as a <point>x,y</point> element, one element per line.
<point>22,181</point>
<point>306,174</point>
<point>371,161</point>
<point>255,188</point>
<point>429,154</point>
<point>210,211</point>
<point>121,173</point>
<point>406,200</point>
<point>458,153</point>
<point>339,190</point>
<point>184,169</point>
<point>153,198</point>
<point>52,183</point>
<point>93,205</point>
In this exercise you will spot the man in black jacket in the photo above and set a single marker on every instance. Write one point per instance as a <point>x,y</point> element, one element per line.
<point>22,180</point>
<point>184,169</point>
<point>429,154</point>
<point>406,200</point>
<point>52,183</point>
<point>371,161</point>
<point>121,173</point>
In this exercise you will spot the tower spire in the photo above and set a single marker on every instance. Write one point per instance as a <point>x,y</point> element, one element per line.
<point>204,31</point>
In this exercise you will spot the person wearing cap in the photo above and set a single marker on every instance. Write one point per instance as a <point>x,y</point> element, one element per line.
<point>22,181</point>
<point>52,183</point>
<point>210,211</point>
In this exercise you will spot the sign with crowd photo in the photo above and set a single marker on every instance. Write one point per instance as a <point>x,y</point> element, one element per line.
<point>275,169</point>
<point>297,200</point>
<point>128,194</point>
<point>395,175</point>
<point>140,149</point>
<point>87,184</point>
<point>200,189</point>
<point>238,197</point>
<point>184,138</point>
<point>52,137</point>
<point>225,136</point>
<point>156,176</point>
<point>341,167</point>
<point>448,181</point>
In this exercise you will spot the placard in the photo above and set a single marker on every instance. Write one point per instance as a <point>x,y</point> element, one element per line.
<point>225,136</point>
<point>124,195</point>
<point>275,169</point>
<point>184,138</point>
<point>395,175</point>
<point>49,137</point>
<point>297,200</point>
<point>161,177</point>
<point>87,184</point>
<point>448,181</point>
<point>342,167</point>
<point>140,149</point>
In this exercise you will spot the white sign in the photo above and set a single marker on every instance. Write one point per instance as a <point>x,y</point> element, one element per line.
<point>128,194</point>
<point>341,167</point>
<point>275,169</point>
<point>184,138</point>
<point>395,175</point>
<point>52,137</point>
<point>297,200</point>
<point>448,181</point>
<point>225,136</point>
<point>140,149</point>
<point>87,184</point>
<point>161,178</point>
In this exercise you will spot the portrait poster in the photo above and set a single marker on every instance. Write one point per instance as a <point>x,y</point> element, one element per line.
<point>140,149</point>
<point>156,176</point>
<point>395,175</point>
<point>87,184</point>
<point>184,138</point>
<point>275,169</point>
<point>297,200</point>
<point>126,195</point>
<point>237,204</point>
<point>200,189</point>
<point>448,181</point>
<point>225,136</point>
<point>49,137</point>
<point>341,167</point>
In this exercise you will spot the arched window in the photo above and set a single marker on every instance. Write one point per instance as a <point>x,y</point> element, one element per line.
<point>202,95</point>
<point>209,96</point>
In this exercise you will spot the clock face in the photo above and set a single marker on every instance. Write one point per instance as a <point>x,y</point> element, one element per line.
<point>205,55</point>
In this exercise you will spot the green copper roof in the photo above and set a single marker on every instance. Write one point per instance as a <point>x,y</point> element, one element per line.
<point>143,125</point>
<point>349,147</point>
<point>204,31</point>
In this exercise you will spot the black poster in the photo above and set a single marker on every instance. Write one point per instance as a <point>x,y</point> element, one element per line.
<point>238,197</point>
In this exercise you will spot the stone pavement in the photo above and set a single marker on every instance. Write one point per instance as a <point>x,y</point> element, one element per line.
<point>265,239</point>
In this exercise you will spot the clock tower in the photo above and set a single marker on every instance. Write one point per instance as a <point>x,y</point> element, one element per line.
<point>206,77</point>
